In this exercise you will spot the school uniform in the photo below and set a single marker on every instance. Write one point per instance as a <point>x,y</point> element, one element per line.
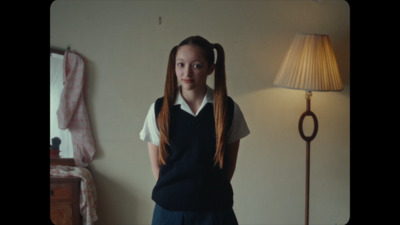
<point>190,188</point>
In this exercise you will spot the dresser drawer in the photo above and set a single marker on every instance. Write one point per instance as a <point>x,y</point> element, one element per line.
<point>60,191</point>
<point>64,200</point>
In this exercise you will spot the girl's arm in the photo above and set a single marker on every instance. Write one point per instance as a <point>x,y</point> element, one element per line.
<point>230,158</point>
<point>155,165</point>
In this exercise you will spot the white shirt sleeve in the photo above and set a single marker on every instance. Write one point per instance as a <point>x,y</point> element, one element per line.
<point>150,132</point>
<point>239,128</point>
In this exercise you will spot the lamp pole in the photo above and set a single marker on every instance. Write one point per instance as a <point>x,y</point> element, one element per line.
<point>308,140</point>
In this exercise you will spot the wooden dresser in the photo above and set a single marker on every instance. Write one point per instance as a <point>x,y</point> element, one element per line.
<point>64,197</point>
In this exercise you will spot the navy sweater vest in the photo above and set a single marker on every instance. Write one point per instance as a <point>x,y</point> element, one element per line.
<point>189,181</point>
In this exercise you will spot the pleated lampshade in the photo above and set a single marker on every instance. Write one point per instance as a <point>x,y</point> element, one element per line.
<point>310,64</point>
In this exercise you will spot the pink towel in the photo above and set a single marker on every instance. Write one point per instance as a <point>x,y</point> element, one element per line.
<point>72,112</point>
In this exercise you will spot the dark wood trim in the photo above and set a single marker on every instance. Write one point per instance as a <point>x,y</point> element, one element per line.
<point>57,51</point>
<point>62,161</point>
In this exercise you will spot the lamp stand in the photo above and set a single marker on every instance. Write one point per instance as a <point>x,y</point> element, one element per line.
<point>308,140</point>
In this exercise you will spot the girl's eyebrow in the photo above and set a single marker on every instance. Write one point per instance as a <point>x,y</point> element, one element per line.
<point>196,60</point>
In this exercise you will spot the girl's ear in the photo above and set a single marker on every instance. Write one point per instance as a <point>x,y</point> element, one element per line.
<point>211,69</point>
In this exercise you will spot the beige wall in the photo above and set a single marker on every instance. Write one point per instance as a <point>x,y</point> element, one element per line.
<point>126,50</point>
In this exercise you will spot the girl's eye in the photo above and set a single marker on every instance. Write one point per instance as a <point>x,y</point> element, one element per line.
<point>180,64</point>
<point>198,66</point>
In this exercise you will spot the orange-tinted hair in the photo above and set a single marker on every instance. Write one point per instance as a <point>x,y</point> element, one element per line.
<point>220,96</point>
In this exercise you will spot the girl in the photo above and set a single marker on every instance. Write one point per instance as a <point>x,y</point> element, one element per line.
<point>193,136</point>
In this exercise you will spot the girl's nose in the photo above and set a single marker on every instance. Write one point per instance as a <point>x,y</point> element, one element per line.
<point>188,71</point>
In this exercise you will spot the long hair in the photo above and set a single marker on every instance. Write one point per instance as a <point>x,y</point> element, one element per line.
<point>220,97</point>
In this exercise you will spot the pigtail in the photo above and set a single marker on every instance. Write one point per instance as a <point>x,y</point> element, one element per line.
<point>163,120</point>
<point>220,106</point>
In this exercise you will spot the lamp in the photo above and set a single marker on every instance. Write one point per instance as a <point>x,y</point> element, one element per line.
<point>309,65</point>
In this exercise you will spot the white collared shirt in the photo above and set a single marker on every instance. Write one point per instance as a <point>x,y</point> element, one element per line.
<point>208,98</point>
<point>238,129</point>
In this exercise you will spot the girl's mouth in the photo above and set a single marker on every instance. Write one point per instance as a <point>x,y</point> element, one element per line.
<point>187,81</point>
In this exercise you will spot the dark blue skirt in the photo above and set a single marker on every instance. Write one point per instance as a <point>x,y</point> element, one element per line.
<point>163,216</point>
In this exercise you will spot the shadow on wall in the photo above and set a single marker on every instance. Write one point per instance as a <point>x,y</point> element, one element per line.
<point>118,201</point>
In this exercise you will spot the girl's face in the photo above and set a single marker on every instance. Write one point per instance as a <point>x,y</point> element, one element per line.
<point>192,68</point>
